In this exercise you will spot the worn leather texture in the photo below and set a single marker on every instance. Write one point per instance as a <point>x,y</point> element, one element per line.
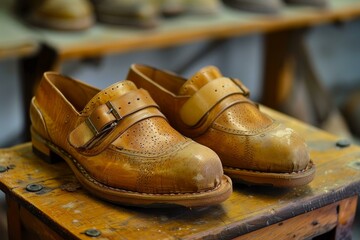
<point>121,147</point>
<point>216,112</point>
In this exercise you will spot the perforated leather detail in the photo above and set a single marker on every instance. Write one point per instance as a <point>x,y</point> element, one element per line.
<point>243,117</point>
<point>150,136</point>
<point>110,93</point>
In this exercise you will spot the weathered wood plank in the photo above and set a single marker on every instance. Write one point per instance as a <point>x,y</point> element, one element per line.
<point>70,210</point>
<point>13,219</point>
<point>304,226</point>
<point>347,210</point>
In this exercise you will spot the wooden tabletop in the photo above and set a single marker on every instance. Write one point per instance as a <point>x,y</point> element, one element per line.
<point>64,206</point>
<point>105,39</point>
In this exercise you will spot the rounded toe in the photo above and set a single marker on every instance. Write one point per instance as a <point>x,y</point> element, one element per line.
<point>199,167</point>
<point>284,151</point>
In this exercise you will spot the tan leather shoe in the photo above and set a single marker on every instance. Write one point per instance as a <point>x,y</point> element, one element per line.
<point>216,112</point>
<point>57,14</point>
<point>120,146</point>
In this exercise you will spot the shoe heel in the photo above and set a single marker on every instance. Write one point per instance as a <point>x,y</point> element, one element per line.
<point>41,150</point>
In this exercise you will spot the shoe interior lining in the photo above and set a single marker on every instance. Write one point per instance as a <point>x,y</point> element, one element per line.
<point>77,93</point>
<point>168,80</point>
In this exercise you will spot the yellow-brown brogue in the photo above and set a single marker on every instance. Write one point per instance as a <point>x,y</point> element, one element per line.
<point>120,146</point>
<point>215,111</point>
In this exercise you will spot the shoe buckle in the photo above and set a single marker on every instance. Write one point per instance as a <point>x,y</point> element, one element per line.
<point>92,127</point>
<point>107,127</point>
<point>113,111</point>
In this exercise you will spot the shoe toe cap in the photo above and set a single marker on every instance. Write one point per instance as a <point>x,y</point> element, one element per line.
<point>283,150</point>
<point>191,168</point>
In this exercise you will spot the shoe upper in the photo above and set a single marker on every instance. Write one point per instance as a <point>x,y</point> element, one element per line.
<point>215,111</point>
<point>119,137</point>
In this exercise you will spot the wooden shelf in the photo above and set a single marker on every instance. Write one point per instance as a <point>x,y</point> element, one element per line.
<point>20,40</point>
<point>105,39</point>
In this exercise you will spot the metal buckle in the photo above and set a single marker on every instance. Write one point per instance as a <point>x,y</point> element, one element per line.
<point>113,111</point>
<point>91,126</point>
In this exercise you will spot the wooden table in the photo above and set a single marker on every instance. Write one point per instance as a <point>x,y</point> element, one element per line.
<point>63,210</point>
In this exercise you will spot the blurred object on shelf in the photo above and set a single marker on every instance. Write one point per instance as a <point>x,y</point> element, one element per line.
<point>314,3</point>
<point>147,14</point>
<point>272,6</point>
<point>351,111</point>
<point>69,15</point>
<point>136,13</point>
<point>202,6</point>
<point>260,6</point>
<point>177,7</point>
<point>170,8</point>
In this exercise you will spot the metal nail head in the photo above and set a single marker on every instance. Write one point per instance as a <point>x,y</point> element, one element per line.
<point>34,187</point>
<point>342,143</point>
<point>3,169</point>
<point>92,232</point>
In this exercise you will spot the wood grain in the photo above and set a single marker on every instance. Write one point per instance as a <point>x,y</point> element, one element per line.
<point>69,210</point>
<point>304,226</point>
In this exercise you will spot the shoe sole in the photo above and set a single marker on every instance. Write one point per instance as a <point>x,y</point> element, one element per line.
<point>293,179</point>
<point>51,154</point>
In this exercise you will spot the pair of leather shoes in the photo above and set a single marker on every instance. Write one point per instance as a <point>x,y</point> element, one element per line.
<point>123,149</point>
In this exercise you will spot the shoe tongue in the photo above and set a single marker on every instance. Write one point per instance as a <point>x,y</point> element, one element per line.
<point>110,93</point>
<point>199,79</point>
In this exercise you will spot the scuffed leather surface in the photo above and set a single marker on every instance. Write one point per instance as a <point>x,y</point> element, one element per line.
<point>149,157</point>
<point>242,135</point>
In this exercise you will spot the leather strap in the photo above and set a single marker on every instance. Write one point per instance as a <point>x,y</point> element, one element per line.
<point>207,97</point>
<point>243,88</point>
<point>107,116</point>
